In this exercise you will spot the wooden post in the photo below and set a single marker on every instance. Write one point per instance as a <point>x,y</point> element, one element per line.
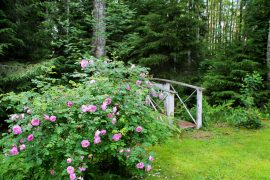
<point>169,103</point>
<point>199,109</point>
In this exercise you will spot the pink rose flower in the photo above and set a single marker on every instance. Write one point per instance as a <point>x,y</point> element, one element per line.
<point>17,129</point>
<point>21,141</point>
<point>128,150</point>
<point>84,63</point>
<point>22,116</point>
<point>25,108</point>
<point>151,158</point>
<point>72,176</point>
<point>84,108</point>
<point>85,143</point>
<point>35,122</point>
<point>148,168</point>
<point>113,121</point>
<point>103,131</point>
<point>138,82</point>
<point>108,101</point>
<point>97,133</point>
<point>114,109</point>
<point>14,117</point>
<point>97,140</point>
<point>46,117</point>
<point>92,108</point>
<point>139,129</point>
<point>140,165</point>
<point>29,111</point>
<point>110,115</point>
<point>82,169</point>
<point>14,151</point>
<point>52,172</point>
<point>69,104</point>
<point>70,170</point>
<point>69,160</point>
<point>104,106</point>
<point>128,87</point>
<point>22,147</point>
<point>53,118</point>
<point>149,83</point>
<point>117,137</point>
<point>121,150</point>
<point>30,137</point>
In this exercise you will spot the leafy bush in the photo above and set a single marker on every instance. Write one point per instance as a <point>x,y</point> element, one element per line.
<point>252,84</point>
<point>101,125</point>
<point>235,116</point>
<point>252,122</point>
<point>216,113</point>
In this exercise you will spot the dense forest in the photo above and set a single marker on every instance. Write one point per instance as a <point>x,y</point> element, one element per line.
<point>211,42</point>
<point>220,45</point>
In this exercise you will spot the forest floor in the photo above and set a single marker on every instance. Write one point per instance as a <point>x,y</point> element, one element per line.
<point>220,152</point>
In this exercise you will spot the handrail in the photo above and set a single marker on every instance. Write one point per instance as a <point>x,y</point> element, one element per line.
<point>169,101</point>
<point>179,83</point>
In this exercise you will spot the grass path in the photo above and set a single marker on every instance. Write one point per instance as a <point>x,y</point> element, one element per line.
<point>219,153</point>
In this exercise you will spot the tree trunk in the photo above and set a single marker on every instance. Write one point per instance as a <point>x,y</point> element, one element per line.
<point>268,58</point>
<point>231,21</point>
<point>240,20</point>
<point>68,14</point>
<point>219,23</point>
<point>208,23</point>
<point>99,28</point>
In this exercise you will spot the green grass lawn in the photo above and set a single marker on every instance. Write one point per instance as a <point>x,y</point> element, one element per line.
<point>218,153</point>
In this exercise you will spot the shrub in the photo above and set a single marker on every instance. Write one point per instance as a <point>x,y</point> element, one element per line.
<point>100,125</point>
<point>249,119</point>
<point>216,113</point>
<point>234,116</point>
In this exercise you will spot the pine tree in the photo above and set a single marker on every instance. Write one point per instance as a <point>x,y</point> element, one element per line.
<point>170,33</point>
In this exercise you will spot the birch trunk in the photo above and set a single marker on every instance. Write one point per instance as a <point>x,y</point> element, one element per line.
<point>219,23</point>
<point>99,28</point>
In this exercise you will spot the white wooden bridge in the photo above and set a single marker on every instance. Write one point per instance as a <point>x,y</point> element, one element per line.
<point>166,88</point>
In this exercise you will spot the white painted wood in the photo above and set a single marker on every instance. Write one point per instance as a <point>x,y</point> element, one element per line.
<point>169,104</point>
<point>199,109</point>
<point>147,100</point>
<point>190,115</point>
<point>169,101</point>
<point>161,87</point>
<point>178,83</point>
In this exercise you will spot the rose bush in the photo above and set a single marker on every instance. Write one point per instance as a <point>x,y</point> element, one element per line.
<point>100,125</point>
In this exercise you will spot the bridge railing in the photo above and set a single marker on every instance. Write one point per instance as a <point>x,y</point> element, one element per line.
<point>166,86</point>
